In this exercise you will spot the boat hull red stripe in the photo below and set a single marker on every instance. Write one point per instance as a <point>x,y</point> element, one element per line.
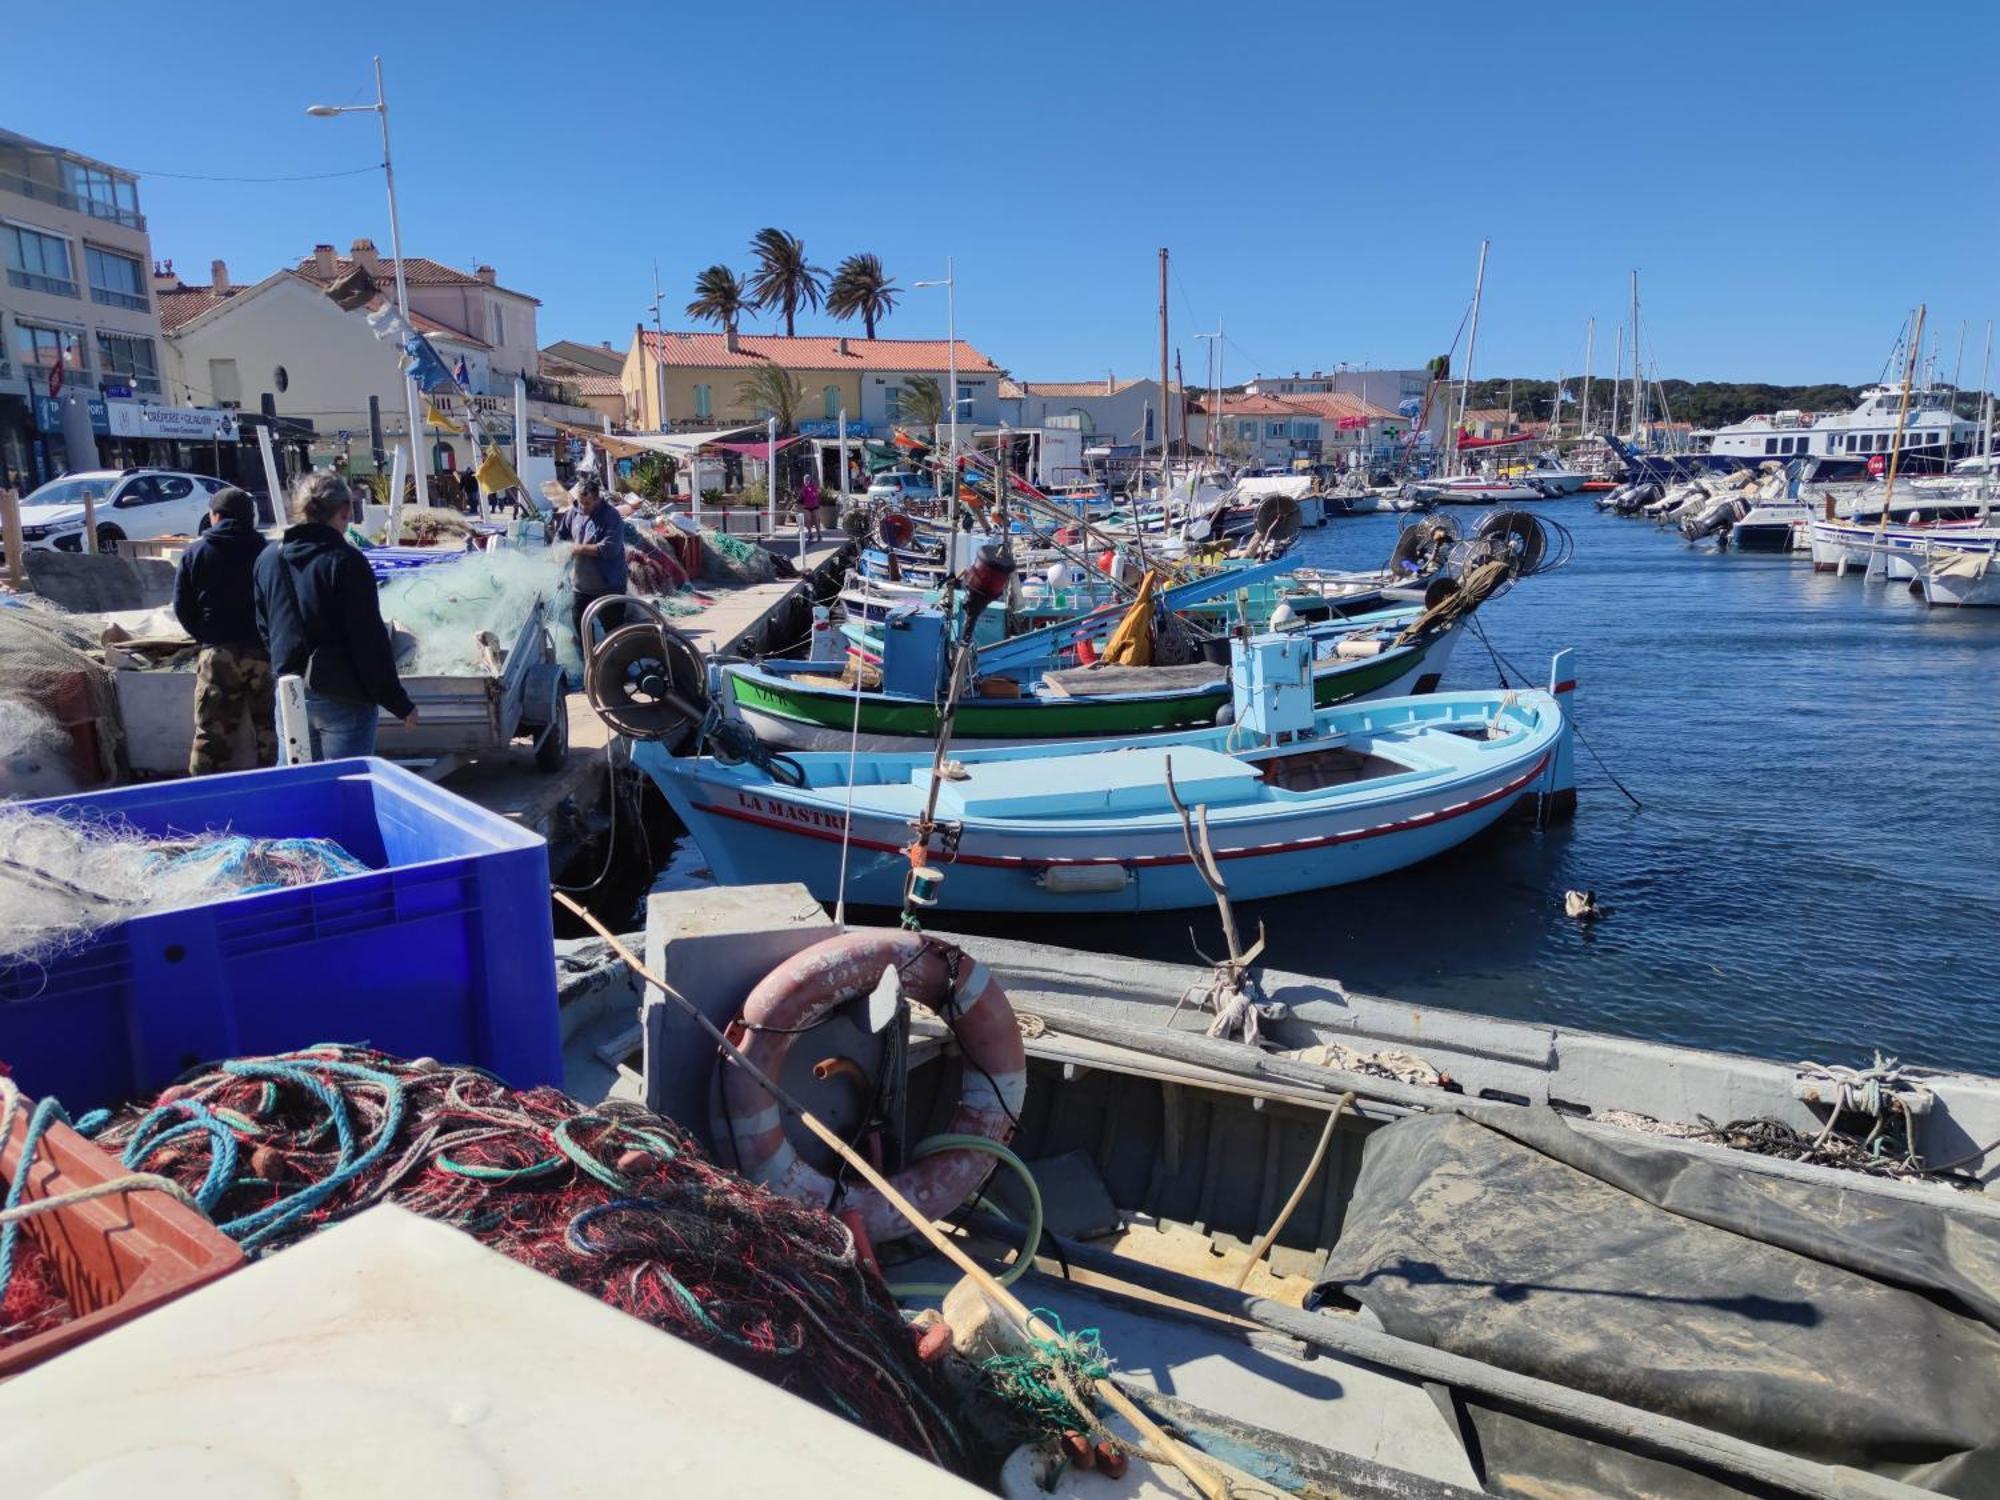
<point>1149,861</point>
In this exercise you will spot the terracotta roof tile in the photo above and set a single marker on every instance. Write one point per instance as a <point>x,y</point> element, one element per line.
<point>180,305</point>
<point>1334,405</point>
<point>417,271</point>
<point>808,352</point>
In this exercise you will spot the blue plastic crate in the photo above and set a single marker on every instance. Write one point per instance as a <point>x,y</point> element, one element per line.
<point>443,949</point>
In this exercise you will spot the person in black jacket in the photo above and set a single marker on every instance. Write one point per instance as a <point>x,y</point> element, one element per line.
<point>215,601</point>
<point>319,614</point>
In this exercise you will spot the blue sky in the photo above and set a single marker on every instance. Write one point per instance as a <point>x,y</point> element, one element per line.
<point>1787,178</point>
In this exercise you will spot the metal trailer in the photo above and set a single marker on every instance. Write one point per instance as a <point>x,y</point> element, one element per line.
<point>520,695</point>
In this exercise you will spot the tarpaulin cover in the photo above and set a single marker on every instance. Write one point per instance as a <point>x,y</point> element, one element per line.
<point>757,451</point>
<point>1834,1324</point>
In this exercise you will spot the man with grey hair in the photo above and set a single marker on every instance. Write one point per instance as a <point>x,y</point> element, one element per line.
<point>215,599</point>
<point>318,611</point>
<point>597,531</point>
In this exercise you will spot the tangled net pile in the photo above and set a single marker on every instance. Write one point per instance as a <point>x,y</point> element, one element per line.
<point>447,605</point>
<point>613,1200</point>
<point>62,878</point>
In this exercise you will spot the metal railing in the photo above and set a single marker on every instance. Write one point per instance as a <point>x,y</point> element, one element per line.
<point>47,192</point>
<point>53,286</point>
<point>106,297</point>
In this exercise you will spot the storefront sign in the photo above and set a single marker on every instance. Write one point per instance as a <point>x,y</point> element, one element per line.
<point>184,424</point>
<point>48,416</point>
<point>820,428</point>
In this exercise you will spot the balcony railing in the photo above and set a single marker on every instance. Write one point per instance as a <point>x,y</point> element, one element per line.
<point>105,297</point>
<point>45,192</point>
<point>28,281</point>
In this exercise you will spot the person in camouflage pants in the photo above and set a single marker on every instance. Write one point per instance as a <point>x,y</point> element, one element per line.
<point>215,601</point>
<point>229,682</point>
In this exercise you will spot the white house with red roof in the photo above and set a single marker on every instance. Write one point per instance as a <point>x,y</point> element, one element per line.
<point>232,344</point>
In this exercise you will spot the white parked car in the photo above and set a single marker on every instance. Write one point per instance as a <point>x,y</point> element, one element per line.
<point>132,505</point>
<point>898,486</point>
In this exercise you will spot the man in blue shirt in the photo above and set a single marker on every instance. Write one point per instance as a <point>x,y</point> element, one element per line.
<point>597,533</point>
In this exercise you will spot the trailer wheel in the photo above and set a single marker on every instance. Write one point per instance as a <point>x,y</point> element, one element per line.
<point>552,733</point>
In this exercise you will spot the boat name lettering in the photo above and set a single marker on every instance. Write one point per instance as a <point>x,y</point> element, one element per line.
<point>812,816</point>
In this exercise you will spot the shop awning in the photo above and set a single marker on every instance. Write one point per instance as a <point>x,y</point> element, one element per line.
<point>759,451</point>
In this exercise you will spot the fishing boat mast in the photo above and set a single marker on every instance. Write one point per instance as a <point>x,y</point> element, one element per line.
<point>1902,418</point>
<point>1166,411</point>
<point>1471,346</point>
<point>1617,378</point>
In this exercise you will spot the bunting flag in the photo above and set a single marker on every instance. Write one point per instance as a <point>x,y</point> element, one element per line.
<point>419,359</point>
<point>903,440</point>
<point>495,473</point>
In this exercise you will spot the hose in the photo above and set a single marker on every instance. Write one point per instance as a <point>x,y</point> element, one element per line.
<point>931,1146</point>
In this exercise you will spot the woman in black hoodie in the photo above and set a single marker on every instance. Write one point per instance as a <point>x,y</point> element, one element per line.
<point>318,611</point>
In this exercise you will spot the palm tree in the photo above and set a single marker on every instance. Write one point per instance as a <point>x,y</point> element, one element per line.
<point>720,297</point>
<point>860,288</point>
<point>783,278</point>
<point>773,391</point>
<point>923,401</point>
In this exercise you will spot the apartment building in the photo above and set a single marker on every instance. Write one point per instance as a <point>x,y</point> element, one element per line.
<point>77,295</point>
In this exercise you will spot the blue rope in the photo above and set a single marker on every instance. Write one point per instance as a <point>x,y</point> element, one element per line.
<point>171,1122</point>
<point>46,1112</point>
<point>252,1229</point>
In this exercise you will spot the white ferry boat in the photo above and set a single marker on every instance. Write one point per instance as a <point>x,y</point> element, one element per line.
<point>1933,437</point>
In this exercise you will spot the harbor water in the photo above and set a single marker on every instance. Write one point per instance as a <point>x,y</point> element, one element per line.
<point>1811,874</point>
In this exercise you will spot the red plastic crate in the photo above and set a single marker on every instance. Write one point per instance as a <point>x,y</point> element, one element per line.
<point>117,1256</point>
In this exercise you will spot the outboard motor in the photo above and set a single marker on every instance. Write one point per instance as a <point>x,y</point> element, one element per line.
<point>1716,519</point>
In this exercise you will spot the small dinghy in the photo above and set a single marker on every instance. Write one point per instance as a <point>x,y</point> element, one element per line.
<point>1296,799</point>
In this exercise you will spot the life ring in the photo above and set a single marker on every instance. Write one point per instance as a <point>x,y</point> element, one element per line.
<point>804,988</point>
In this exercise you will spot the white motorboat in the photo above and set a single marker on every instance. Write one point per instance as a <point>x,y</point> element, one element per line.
<point>1961,574</point>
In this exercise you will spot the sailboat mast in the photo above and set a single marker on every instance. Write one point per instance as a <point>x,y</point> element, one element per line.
<point>1902,417</point>
<point>1617,378</point>
<point>1986,396</point>
<point>1471,346</point>
<point>1589,348</point>
<point>1638,389</point>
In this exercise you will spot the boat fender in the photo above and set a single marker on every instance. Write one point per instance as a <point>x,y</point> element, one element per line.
<point>800,992</point>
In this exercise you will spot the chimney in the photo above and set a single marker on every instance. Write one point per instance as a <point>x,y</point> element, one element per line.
<point>604,343</point>
<point>841,347</point>
<point>1110,384</point>
<point>486,274</point>
<point>164,279</point>
<point>323,266</point>
<point>362,253</point>
<point>218,275</point>
<point>729,340</point>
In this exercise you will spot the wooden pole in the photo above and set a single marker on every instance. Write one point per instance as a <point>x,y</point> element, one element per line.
<point>1270,1236</point>
<point>10,532</point>
<point>89,519</point>
<point>1902,418</point>
<point>1205,1479</point>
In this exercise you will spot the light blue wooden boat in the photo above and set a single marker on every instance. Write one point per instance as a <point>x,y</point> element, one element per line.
<point>1360,791</point>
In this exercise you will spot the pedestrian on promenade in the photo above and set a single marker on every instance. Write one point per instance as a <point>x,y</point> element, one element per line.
<point>215,599</point>
<point>318,612</point>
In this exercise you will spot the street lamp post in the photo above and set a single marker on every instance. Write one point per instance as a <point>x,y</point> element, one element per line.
<point>381,108</point>
<point>950,285</point>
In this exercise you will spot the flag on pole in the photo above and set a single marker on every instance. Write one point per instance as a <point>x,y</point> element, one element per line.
<point>495,473</point>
